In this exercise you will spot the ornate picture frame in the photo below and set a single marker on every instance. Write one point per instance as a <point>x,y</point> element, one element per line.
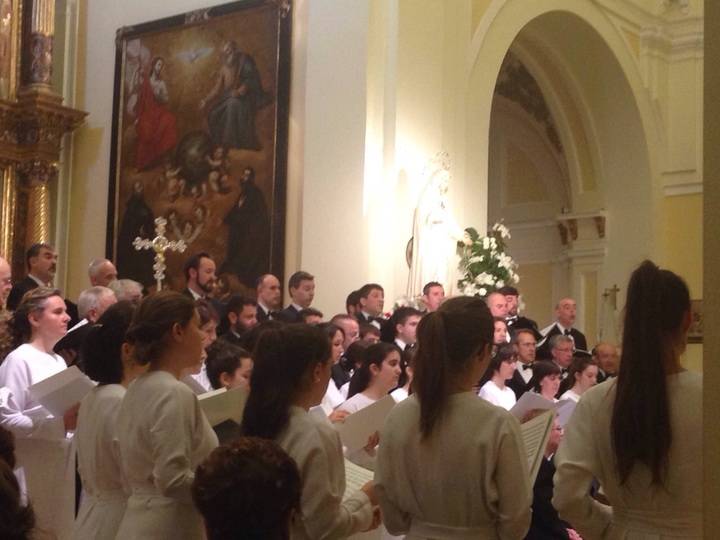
<point>199,136</point>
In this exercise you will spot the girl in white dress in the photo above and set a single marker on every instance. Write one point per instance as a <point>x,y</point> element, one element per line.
<point>376,377</point>
<point>451,465</point>
<point>546,379</point>
<point>46,463</point>
<point>639,435</point>
<point>107,359</point>
<point>290,375</point>
<point>501,368</point>
<point>583,371</point>
<point>163,434</point>
<point>407,364</point>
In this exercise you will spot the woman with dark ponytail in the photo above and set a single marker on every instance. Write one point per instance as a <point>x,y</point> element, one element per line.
<point>290,376</point>
<point>639,435</point>
<point>451,465</point>
<point>163,435</point>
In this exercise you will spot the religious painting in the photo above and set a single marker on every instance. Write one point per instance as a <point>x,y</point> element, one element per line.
<point>695,332</point>
<point>200,138</point>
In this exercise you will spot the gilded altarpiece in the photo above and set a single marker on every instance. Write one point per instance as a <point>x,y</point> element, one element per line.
<point>33,122</point>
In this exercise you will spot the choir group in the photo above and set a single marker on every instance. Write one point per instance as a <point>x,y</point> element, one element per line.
<point>138,458</point>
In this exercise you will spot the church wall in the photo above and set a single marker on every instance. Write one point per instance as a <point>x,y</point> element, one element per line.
<point>683,253</point>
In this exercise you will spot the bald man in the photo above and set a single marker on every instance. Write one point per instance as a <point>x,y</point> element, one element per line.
<point>101,272</point>
<point>5,282</point>
<point>269,296</point>
<point>565,313</point>
<point>608,358</point>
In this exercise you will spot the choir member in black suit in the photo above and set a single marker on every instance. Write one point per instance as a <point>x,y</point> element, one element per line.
<point>433,295</point>
<point>371,301</point>
<point>525,343</point>
<point>546,524</point>
<point>199,275</point>
<point>301,287</point>
<point>401,327</point>
<point>607,357</point>
<point>241,317</point>
<point>41,260</point>
<point>565,312</point>
<point>269,297</point>
<point>515,321</point>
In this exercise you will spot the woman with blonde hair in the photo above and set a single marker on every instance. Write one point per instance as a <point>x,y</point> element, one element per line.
<point>46,464</point>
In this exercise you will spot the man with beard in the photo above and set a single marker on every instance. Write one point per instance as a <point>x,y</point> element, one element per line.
<point>248,246</point>
<point>199,275</point>
<point>234,100</point>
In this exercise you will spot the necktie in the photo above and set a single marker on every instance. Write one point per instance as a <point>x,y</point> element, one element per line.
<point>566,331</point>
<point>526,366</point>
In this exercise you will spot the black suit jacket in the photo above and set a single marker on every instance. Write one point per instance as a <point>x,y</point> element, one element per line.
<point>543,351</point>
<point>517,384</point>
<point>289,315</point>
<point>261,315</point>
<point>546,523</point>
<point>231,338</point>
<point>28,284</point>
<point>18,290</point>
<point>523,322</point>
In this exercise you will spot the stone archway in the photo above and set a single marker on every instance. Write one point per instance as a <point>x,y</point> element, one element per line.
<point>594,90</point>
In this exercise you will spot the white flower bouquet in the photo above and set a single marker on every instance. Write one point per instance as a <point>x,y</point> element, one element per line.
<point>484,266</point>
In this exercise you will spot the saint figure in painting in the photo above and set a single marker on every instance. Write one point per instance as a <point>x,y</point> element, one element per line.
<point>138,220</point>
<point>155,125</point>
<point>248,245</point>
<point>234,100</point>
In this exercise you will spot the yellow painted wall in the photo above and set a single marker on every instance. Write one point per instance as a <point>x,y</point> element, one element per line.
<point>683,253</point>
<point>536,290</point>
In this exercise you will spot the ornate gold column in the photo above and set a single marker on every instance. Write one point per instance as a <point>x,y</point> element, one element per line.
<point>33,122</point>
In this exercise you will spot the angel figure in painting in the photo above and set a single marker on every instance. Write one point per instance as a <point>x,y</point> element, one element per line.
<point>435,234</point>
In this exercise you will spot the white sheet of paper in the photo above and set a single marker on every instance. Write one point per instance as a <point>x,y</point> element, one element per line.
<point>356,429</point>
<point>355,478</point>
<point>61,391</point>
<point>220,405</point>
<point>565,408</point>
<point>530,401</point>
<point>535,434</point>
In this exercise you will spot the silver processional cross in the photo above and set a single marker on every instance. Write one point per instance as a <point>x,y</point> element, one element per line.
<point>160,244</point>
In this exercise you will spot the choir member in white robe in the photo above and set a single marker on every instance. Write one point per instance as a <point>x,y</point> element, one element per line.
<point>373,380</point>
<point>450,465</point>
<point>639,435</point>
<point>501,368</point>
<point>163,435</point>
<point>107,359</point>
<point>290,375</point>
<point>582,376</point>
<point>333,396</point>
<point>45,460</point>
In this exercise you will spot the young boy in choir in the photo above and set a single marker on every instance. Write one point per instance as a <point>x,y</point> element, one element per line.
<point>291,375</point>
<point>582,376</point>
<point>46,463</point>
<point>546,379</point>
<point>163,434</point>
<point>369,333</point>
<point>451,465</point>
<point>228,366</point>
<point>501,368</point>
<point>247,490</point>
<point>108,360</point>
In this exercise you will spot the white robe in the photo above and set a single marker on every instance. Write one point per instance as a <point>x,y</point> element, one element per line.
<point>45,456</point>
<point>492,393</point>
<point>315,446</point>
<point>104,493</point>
<point>638,512</point>
<point>163,437</point>
<point>469,480</point>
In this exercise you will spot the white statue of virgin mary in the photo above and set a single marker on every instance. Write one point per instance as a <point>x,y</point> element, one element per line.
<point>435,234</point>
